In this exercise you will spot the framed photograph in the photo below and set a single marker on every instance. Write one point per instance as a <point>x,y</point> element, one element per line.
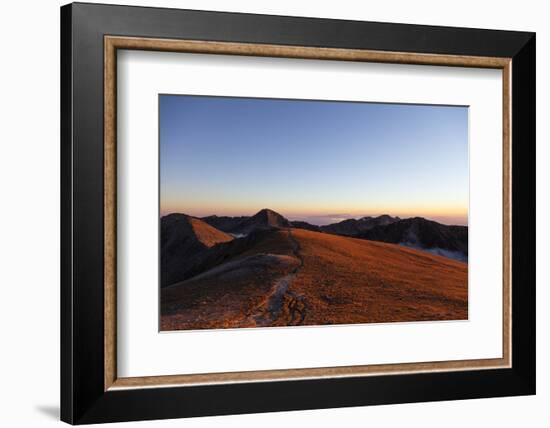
<point>265,213</point>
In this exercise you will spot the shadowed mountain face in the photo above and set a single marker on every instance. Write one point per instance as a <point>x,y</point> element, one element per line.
<point>224,223</point>
<point>417,232</point>
<point>353,227</point>
<point>183,242</point>
<point>305,225</point>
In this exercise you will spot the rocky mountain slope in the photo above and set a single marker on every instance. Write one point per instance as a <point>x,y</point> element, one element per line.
<point>183,242</point>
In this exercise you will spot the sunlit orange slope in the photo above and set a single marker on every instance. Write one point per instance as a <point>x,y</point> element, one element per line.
<point>300,277</point>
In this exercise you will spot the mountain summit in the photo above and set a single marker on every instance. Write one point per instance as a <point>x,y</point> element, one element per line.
<point>263,219</point>
<point>270,218</point>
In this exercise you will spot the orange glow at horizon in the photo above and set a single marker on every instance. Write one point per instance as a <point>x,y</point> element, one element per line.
<point>449,214</point>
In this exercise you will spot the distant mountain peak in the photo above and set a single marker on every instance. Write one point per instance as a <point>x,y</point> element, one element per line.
<point>387,216</point>
<point>267,210</point>
<point>269,218</point>
<point>264,219</point>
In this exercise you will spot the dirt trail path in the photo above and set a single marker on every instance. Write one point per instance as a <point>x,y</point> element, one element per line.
<point>283,302</point>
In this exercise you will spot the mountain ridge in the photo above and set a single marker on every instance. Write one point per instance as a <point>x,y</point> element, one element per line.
<point>352,227</point>
<point>415,232</point>
<point>420,233</point>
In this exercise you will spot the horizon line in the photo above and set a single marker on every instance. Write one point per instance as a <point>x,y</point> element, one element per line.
<point>334,218</point>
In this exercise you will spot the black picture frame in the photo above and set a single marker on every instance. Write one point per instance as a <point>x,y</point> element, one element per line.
<point>83,398</point>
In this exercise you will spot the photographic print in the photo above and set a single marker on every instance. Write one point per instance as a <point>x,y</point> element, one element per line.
<point>288,212</point>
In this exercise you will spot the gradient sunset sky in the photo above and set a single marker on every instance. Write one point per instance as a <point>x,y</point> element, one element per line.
<point>318,161</point>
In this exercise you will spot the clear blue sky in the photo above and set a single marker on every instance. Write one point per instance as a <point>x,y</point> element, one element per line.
<point>319,161</point>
